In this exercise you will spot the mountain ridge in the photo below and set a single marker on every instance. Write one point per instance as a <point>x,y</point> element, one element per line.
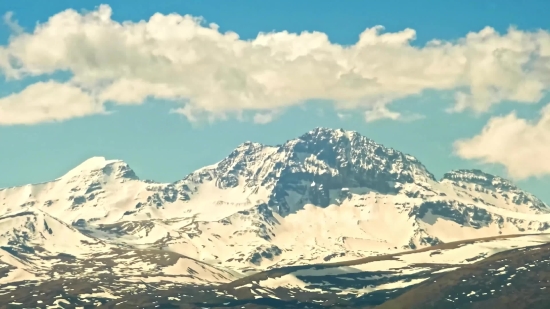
<point>326,196</point>
<point>101,162</point>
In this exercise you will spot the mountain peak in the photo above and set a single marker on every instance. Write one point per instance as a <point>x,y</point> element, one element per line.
<point>478,177</point>
<point>248,145</point>
<point>321,132</point>
<point>325,130</point>
<point>94,163</point>
<point>487,182</point>
<point>100,164</point>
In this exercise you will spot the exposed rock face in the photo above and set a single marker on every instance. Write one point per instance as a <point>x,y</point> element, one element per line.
<point>459,213</point>
<point>487,183</point>
<point>312,165</point>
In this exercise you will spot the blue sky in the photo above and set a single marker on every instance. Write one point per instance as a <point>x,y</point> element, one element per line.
<point>501,111</point>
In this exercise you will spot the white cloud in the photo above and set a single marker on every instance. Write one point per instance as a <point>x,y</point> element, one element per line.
<point>343,116</point>
<point>522,146</point>
<point>265,117</point>
<point>46,102</point>
<point>381,112</point>
<point>179,58</point>
<point>11,23</point>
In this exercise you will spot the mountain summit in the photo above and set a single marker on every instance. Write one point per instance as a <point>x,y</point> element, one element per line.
<point>317,168</point>
<point>101,166</point>
<point>312,166</point>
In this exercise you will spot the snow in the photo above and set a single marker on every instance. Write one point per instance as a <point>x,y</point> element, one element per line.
<point>104,294</point>
<point>213,216</point>
<point>92,164</point>
<point>404,265</point>
<point>17,275</point>
<point>389,286</point>
<point>58,303</point>
<point>183,265</point>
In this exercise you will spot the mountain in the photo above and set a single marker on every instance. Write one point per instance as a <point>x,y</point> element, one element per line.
<point>509,278</point>
<point>326,196</point>
<point>518,278</point>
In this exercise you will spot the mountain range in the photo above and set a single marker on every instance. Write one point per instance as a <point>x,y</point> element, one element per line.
<point>330,212</point>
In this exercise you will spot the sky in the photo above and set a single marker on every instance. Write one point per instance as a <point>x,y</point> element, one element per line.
<point>171,86</point>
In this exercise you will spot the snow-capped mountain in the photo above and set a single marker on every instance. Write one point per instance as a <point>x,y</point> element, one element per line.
<point>327,195</point>
<point>307,169</point>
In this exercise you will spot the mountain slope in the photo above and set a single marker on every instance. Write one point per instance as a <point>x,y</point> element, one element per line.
<point>518,278</point>
<point>326,196</point>
<point>371,281</point>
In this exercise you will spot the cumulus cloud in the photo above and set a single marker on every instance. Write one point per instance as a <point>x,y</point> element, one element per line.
<point>522,146</point>
<point>183,59</point>
<point>47,102</point>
